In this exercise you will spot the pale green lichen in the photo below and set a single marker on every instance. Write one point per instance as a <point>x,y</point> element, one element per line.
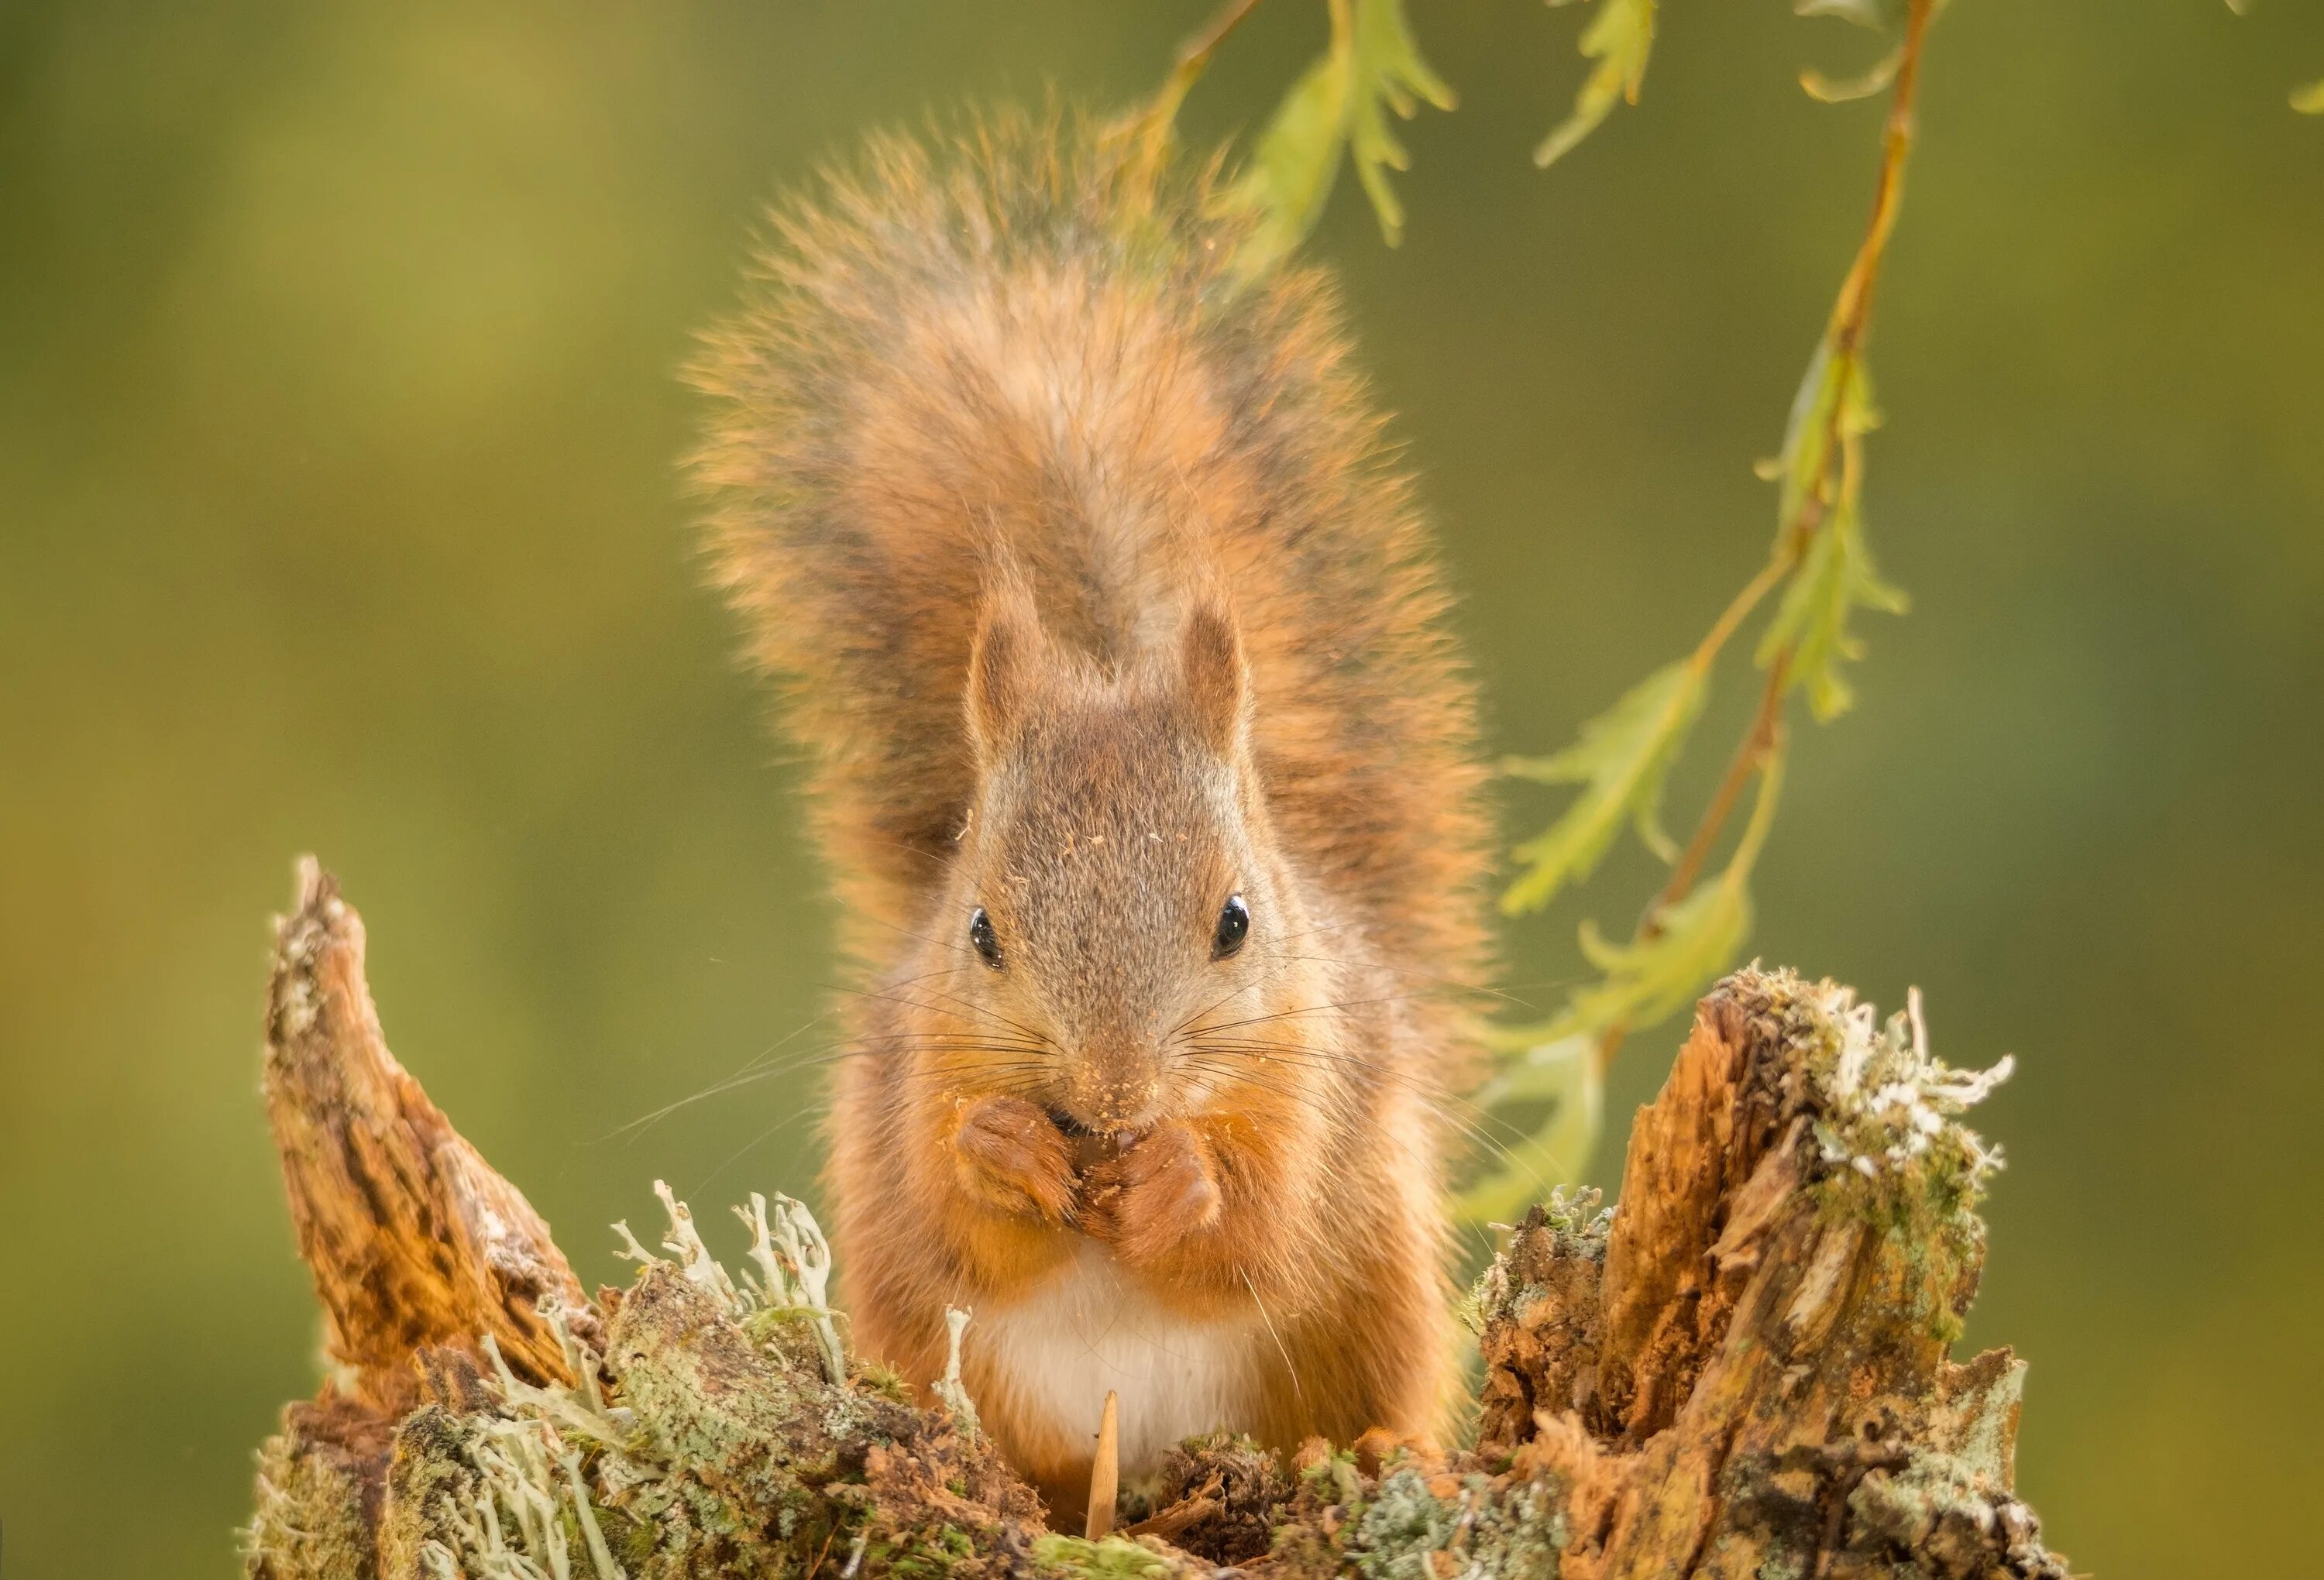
<point>1334,1479</point>
<point>308,1516</point>
<point>1578,1224</point>
<point>1109,1557</point>
<point>949,1390</point>
<point>1936,1504</point>
<point>1888,1106</point>
<point>712,1453</point>
<point>1405,1531</point>
<point>525,1512</point>
<point>1888,1146</point>
<point>1580,1216</point>
<point>791,1286</point>
<point>1978,1422</point>
<point>529,1512</point>
<point>725,1432</point>
<point>795,1273</point>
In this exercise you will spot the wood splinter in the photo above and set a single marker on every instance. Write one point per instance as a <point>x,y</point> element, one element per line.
<point>1105,1471</point>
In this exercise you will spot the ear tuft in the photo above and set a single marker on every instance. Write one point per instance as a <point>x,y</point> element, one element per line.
<point>1001,664</point>
<point>1216,681</point>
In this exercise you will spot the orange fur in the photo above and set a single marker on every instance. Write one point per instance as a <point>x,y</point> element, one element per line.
<point>1098,600</point>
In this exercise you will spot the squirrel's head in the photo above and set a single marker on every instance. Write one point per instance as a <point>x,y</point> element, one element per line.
<point>1120,938</point>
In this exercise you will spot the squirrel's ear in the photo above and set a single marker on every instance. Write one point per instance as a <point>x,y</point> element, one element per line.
<point>1216,681</point>
<point>1001,669</point>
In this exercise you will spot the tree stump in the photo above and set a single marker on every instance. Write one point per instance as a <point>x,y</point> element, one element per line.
<point>1742,1370</point>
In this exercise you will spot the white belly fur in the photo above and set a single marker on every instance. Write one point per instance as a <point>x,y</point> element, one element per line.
<point>1090,1330</point>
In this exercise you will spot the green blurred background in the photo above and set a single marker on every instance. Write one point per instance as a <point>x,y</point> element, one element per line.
<point>337,512</point>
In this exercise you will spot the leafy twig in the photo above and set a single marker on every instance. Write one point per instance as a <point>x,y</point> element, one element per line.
<point>1151,132</point>
<point>1689,932</point>
<point>1622,759</point>
<point>1620,38</point>
<point>1338,106</point>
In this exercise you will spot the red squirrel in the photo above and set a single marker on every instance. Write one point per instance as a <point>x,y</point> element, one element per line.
<point>1149,780</point>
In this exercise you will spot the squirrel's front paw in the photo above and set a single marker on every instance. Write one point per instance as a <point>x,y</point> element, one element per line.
<point>1147,1200</point>
<point>1012,1159</point>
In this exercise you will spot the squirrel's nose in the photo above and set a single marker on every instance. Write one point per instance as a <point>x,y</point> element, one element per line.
<point>1110,1092</point>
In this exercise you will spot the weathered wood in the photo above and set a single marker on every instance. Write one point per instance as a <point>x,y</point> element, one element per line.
<point>1758,1380</point>
<point>414,1241</point>
<point>1741,1372</point>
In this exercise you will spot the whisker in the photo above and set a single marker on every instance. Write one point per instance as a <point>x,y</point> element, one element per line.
<point>1452,985</point>
<point>752,1145</point>
<point>977,1009</point>
<point>1230,994</point>
<point>1472,1130</point>
<point>1326,1008</point>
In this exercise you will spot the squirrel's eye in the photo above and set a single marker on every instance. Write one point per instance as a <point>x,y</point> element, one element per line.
<point>979,934</point>
<point>1234,926</point>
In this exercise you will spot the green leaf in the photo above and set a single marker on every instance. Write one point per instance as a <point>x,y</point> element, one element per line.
<point>1845,89</point>
<point>1565,1072</point>
<point>1390,75</point>
<point>1290,176</point>
<point>1836,578</point>
<point>1646,981</point>
<point>1341,103</point>
<point>1682,950</point>
<point>1805,462</point>
<point>1621,761</point>
<point>1620,38</point>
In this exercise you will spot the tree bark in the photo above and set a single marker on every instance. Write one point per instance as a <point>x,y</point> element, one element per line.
<point>1742,1372</point>
<point>413,1240</point>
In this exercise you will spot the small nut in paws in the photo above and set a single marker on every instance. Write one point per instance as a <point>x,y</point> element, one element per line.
<point>1147,1201</point>
<point>1013,1159</point>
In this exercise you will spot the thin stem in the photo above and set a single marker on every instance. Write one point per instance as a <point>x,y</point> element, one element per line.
<point>1152,127</point>
<point>1844,339</point>
<point>1758,742</point>
<point>1851,314</point>
<point>1739,610</point>
<point>1194,54</point>
<point>1760,753</point>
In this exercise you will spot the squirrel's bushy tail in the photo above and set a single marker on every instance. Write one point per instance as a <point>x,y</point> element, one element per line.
<point>982,360</point>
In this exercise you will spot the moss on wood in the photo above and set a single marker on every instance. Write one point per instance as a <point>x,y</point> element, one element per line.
<point>1742,1370</point>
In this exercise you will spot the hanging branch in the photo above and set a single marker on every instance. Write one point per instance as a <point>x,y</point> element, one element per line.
<point>1818,546</point>
<point>1693,929</point>
<point>1150,134</point>
<point>1339,106</point>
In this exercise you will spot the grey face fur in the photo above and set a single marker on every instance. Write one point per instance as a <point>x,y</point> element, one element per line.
<point>1117,819</point>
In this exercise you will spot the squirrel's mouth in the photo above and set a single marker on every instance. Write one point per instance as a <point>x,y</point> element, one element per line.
<point>1091,1146</point>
